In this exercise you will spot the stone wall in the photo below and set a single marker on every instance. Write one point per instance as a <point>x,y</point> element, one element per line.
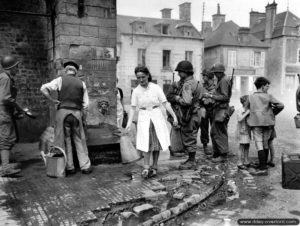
<point>89,40</point>
<point>25,36</point>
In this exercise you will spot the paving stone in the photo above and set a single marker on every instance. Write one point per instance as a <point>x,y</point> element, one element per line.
<point>150,195</point>
<point>161,193</point>
<point>179,195</point>
<point>126,214</point>
<point>156,186</point>
<point>142,208</point>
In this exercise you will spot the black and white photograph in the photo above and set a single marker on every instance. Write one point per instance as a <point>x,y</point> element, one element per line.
<point>149,112</point>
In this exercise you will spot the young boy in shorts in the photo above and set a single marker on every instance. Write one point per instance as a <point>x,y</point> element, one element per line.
<point>262,120</point>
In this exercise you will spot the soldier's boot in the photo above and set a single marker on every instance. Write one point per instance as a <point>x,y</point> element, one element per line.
<point>190,163</point>
<point>206,150</point>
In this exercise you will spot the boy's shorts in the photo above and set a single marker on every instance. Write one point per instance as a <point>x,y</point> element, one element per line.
<point>261,136</point>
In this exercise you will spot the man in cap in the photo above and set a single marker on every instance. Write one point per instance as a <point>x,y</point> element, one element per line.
<point>209,86</point>
<point>72,105</point>
<point>183,96</point>
<point>222,94</point>
<point>8,109</point>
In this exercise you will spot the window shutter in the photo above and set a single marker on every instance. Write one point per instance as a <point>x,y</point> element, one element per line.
<point>262,63</point>
<point>252,59</point>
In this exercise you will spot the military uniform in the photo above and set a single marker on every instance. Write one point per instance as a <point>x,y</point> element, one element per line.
<point>221,116</point>
<point>187,90</point>
<point>208,104</point>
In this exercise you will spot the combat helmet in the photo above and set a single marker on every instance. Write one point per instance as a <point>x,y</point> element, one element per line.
<point>185,66</point>
<point>8,62</point>
<point>218,68</point>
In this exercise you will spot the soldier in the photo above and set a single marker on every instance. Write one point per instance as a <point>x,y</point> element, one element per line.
<point>9,109</point>
<point>222,94</point>
<point>183,96</point>
<point>209,86</point>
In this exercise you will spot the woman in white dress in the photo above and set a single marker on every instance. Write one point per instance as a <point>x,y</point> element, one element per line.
<point>152,131</point>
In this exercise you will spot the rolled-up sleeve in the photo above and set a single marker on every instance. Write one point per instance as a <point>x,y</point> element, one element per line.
<point>54,85</point>
<point>85,103</point>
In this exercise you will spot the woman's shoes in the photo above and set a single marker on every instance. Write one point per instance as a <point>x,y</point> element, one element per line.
<point>148,173</point>
<point>145,173</point>
<point>152,172</point>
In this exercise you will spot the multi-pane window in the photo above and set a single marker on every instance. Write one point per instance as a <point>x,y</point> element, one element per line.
<point>189,56</point>
<point>141,57</point>
<point>231,58</point>
<point>166,59</point>
<point>257,59</point>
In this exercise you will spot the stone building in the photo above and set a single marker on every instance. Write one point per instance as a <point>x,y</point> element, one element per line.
<point>281,31</point>
<point>45,33</point>
<point>237,49</point>
<point>158,43</point>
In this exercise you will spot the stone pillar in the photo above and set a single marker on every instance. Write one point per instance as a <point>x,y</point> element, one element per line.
<point>85,32</point>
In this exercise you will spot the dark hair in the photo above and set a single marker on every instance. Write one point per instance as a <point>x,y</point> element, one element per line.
<point>244,98</point>
<point>261,81</point>
<point>144,70</point>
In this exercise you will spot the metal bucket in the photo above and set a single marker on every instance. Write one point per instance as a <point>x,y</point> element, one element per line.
<point>297,120</point>
<point>56,165</point>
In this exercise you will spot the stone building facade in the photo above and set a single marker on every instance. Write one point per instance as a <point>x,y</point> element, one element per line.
<point>281,31</point>
<point>43,34</point>
<point>237,49</point>
<point>158,43</point>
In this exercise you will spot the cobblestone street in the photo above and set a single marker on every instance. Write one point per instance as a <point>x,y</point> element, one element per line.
<point>35,199</point>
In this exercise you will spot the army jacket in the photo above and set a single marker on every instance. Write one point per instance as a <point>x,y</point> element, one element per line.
<point>222,93</point>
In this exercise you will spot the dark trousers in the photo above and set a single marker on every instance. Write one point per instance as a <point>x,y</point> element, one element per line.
<point>189,134</point>
<point>204,126</point>
<point>219,138</point>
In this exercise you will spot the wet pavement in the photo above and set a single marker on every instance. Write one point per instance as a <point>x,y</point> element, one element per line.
<point>113,194</point>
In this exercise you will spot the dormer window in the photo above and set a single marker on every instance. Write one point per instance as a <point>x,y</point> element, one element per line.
<point>185,29</point>
<point>187,32</point>
<point>165,29</point>
<point>138,26</point>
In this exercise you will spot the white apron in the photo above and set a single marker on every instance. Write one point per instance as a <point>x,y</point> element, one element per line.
<point>143,125</point>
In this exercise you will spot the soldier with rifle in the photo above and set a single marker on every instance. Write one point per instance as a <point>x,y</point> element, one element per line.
<point>183,96</point>
<point>221,113</point>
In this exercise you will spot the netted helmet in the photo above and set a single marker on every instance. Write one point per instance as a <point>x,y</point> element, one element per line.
<point>185,66</point>
<point>8,62</point>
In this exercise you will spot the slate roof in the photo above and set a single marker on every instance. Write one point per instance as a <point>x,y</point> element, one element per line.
<point>124,26</point>
<point>285,24</point>
<point>227,35</point>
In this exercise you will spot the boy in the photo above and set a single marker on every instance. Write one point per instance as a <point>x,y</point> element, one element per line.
<point>262,119</point>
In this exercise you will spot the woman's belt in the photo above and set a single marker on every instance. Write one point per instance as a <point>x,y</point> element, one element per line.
<point>149,108</point>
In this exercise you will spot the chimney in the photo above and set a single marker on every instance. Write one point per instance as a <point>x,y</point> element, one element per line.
<point>185,11</point>
<point>166,13</point>
<point>206,27</point>
<point>254,17</point>
<point>270,19</point>
<point>243,34</point>
<point>218,18</point>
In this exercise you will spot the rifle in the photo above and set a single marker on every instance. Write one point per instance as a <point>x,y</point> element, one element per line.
<point>231,82</point>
